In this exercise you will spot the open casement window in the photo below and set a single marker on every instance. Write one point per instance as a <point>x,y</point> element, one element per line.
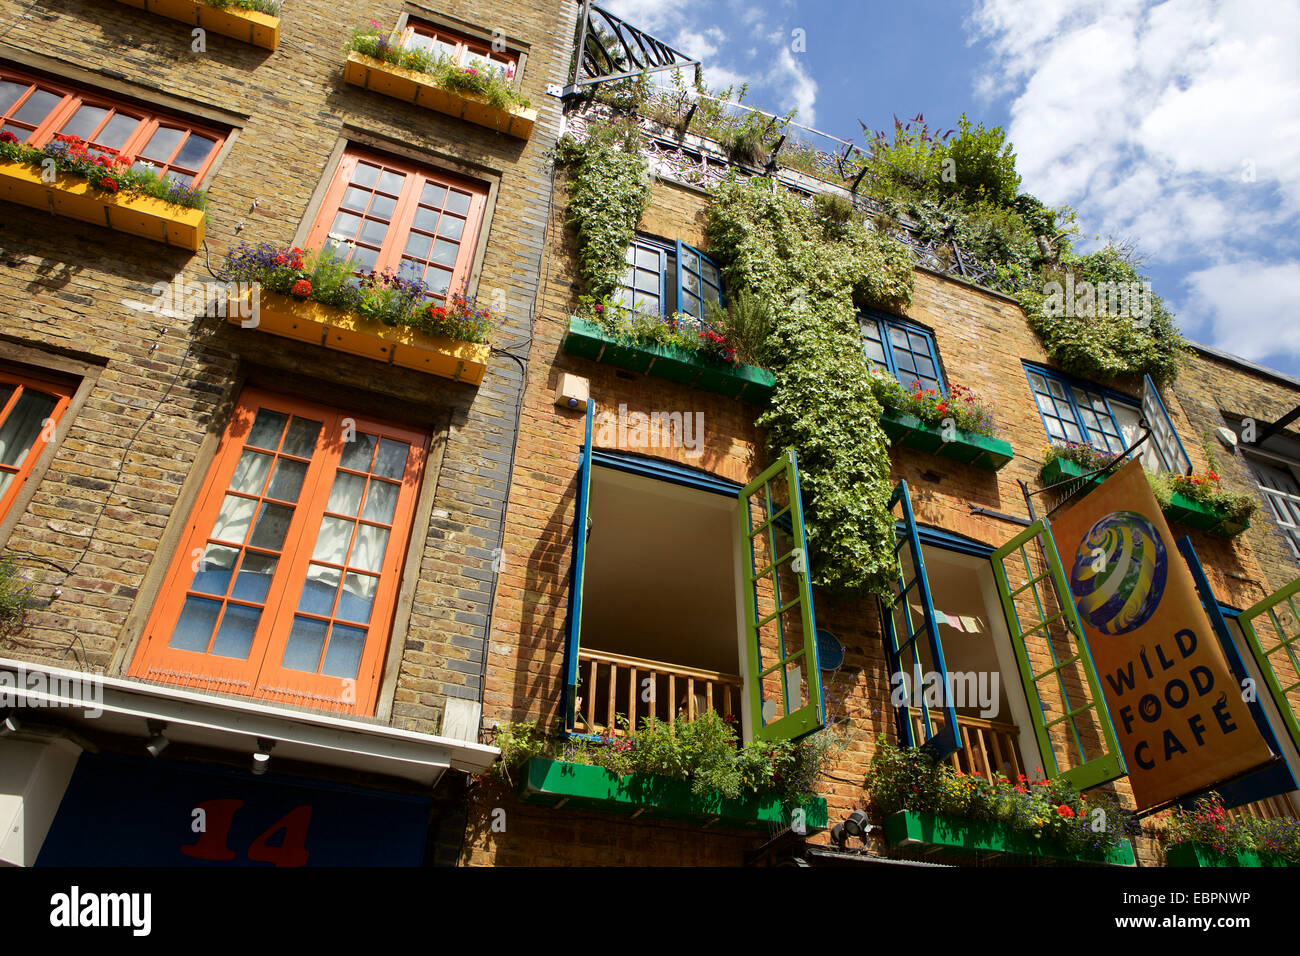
<point>906,351</point>
<point>1276,479</point>
<point>581,527</point>
<point>783,673</point>
<point>36,111</point>
<point>284,585</point>
<point>1276,778</point>
<point>30,409</point>
<point>381,213</point>
<point>698,282</point>
<point>1169,447</point>
<point>1272,629</point>
<point>457,48</point>
<point>912,646</point>
<point>1075,735</point>
<point>643,288</point>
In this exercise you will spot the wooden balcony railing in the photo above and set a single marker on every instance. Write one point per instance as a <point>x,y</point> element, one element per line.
<point>613,686</point>
<point>1267,809</point>
<point>987,747</point>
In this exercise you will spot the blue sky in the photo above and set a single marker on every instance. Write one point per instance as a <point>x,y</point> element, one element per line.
<point>1174,124</point>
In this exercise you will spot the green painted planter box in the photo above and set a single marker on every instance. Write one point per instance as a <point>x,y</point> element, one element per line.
<point>978,450</point>
<point>950,837</point>
<point>555,783</point>
<point>1198,854</point>
<point>1182,509</point>
<point>590,340</point>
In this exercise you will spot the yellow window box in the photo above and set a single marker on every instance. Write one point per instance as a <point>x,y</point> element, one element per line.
<point>74,197</point>
<point>355,334</point>
<point>251,26</point>
<point>419,88</point>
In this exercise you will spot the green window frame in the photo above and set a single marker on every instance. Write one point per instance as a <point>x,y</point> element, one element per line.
<point>1050,591</point>
<point>1272,629</point>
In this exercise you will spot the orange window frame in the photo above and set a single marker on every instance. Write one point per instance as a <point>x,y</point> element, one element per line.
<point>62,393</point>
<point>464,45</point>
<point>261,674</point>
<point>148,123</point>
<point>403,218</point>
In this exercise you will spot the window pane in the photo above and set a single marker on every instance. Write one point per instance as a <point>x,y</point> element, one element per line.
<point>306,640</point>
<point>358,597</point>
<point>391,460</point>
<point>162,144</point>
<point>288,479</point>
<point>38,107</point>
<point>343,659</point>
<point>22,429</point>
<point>391,182</point>
<point>272,525</point>
<point>234,518</point>
<point>319,589</point>
<point>9,93</point>
<point>345,225</point>
<point>458,202</point>
<point>332,540</point>
<point>365,174</point>
<point>368,553</point>
<point>301,440</point>
<point>84,122</point>
<point>417,245</point>
<point>357,453</point>
<point>198,618</point>
<point>355,198</point>
<point>381,501</point>
<point>345,496</point>
<point>238,625</point>
<point>254,578</point>
<point>434,195</point>
<point>215,569</point>
<point>449,227</point>
<point>267,428</point>
<point>250,473</point>
<point>426,219</point>
<point>373,231</point>
<point>195,152</point>
<point>444,253</point>
<point>381,207</point>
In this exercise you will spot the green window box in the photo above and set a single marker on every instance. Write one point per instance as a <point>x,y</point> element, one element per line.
<point>978,450</point>
<point>590,340</point>
<point>555,783</point>
<point>1184,510</point>
<point>950,837</point>
<point>1198,854</point>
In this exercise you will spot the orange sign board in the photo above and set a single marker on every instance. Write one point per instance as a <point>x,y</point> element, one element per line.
<point>1178,712</point>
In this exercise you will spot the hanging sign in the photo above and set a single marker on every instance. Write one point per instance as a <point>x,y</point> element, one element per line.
<point>1178,713</point>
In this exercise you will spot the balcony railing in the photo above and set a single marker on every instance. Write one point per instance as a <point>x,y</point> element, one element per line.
<point>1277,807</point>
<point>987,747</point>
<point>615,687</point>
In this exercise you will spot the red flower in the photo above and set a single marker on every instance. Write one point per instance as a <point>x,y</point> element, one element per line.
<point>1065,811</point>
<point>8,137</point>
<point>109,184</point>
<point>301,288</point>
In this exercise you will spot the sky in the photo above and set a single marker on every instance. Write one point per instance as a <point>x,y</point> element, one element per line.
<point>1172,125</point>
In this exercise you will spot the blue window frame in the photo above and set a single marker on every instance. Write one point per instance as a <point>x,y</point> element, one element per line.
<point>662,278</point>
<point>1075,411</point>
<point>905,350</point>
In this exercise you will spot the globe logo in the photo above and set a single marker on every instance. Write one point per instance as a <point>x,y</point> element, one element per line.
<point>1119,573</point>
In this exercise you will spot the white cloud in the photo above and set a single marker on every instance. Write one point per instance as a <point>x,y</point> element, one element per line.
<point>1249,308</point>
<point>1151,118</point>
<point>795,87</point>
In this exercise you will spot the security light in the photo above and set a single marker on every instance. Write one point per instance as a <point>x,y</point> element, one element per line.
<point>157,739</point>
<point>11,724</point>
<point>856,825</point>
<point>262,755</point>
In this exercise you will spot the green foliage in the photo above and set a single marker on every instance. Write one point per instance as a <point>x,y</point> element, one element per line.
<point>983,165</point>
<point>1101,344</point>
<point>488,85</point>
<point>1083,454</point>
<point>609,188</point>
<point>747,323</point>
<point>816,274</point>
<point>909,779</point>
<point>966,411</point>
<point>1206,489</point>
<point>15,597</point>
<point>705,751</point>
<point>1207,823</point>
<point>262,6</point>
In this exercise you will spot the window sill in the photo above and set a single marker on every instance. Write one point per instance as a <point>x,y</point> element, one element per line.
<point>556,783</point>
<point>251,26</point>
<point>950,837</point>
<point>1192,514</point>
<point>978,450</point>
<point>419,89</point>
<point>75,198</point>
<point>1198,854</point>
<point>589,340</point>
<point>354,334</point>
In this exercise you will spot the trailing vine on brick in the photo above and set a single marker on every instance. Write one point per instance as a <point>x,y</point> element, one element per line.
<point>609,188</point>
<point>816,270</point>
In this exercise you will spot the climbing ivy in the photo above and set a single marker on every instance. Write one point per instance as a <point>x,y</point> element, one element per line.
<point>817,270</point>
<point>609,188</point>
